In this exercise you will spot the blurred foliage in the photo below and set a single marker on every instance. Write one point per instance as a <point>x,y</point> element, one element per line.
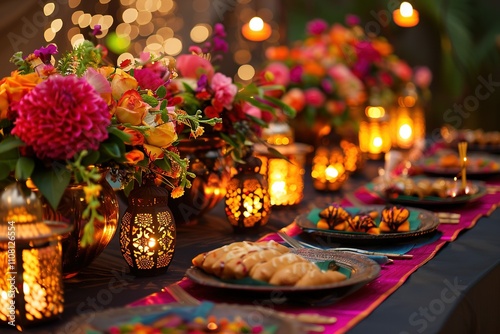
<point>459,40</point>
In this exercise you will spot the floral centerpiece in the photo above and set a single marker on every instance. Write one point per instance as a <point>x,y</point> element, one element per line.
<point>244,109</point>
<point>70,119</point>
<point>338,68</point>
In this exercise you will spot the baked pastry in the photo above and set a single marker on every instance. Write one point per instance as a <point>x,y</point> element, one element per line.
<point>364,224</point>
<point>334,217</point>
<point>265,261</point>
<point>395,219</point>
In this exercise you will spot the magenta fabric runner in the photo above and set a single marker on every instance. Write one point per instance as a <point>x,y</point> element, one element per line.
<point>353,308</point>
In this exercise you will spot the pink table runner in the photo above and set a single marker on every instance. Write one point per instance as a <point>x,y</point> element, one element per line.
<point>355,307</point>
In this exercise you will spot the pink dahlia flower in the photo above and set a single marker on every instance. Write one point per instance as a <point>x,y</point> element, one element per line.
<point>61,117</point>
<point>224,89</point>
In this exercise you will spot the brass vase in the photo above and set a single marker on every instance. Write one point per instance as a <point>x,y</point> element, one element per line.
<point>69,210</point>
<point>212,170</point>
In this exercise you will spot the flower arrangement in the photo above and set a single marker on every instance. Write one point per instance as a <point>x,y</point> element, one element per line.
<point>244,109</point>
<point>72,118</point>
<point>339,67</point>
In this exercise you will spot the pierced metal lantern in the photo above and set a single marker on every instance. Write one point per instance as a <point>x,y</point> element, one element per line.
<point>407,119</point>
<point>147,231</point>
<point>247,204</point>
<point>374,133</point>
<point>31,289</point>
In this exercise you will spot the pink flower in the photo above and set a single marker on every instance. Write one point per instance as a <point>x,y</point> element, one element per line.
<point>402,70</point>
<point>314,97</point>
<point>62,116</point>
<point>224,89</point>
<point>251,110</point>
<point>340,72</point>
<point>422,76</point>
<point>279,72</point>
<point>316,27</point>
<point>352,20</point>
<point>193,66</point>
<point>152,76</point>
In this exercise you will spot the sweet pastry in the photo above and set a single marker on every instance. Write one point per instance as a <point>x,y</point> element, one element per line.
<point>449,160</point>
<point>363,223</point>
<point>334,217</point>
<point>395,219</point>
<point>265,261</point>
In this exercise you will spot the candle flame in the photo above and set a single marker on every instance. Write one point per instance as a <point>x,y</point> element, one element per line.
<point>406,9</point>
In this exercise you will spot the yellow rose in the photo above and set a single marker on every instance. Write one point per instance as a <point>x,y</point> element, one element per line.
<point>121,83</point>
<point>153,152</point>
<point>131,108</point>
<point>13,88</point>
<point>162,136</point>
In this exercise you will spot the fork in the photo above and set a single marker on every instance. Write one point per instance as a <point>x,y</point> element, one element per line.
<point>297,244</point>
<point>448,217</point>
<point>183,297</point>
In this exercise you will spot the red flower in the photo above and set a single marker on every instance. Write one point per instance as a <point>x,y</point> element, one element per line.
<point>61,117</point>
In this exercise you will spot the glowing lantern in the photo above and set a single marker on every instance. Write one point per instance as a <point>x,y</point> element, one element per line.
<point>285,177</point>
<point>407,120</point>
<point>247,204</point>
<point>256,30</point>
<point>405,16</point>
<point>334,160</point>
<point>147,231</point>
<point>31,289</point>
<point>374,135</point>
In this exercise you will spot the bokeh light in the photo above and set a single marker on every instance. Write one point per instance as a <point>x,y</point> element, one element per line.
<point>117,44</point>
<point>49,8</point>
<point>199,33</point>
<point>173,46</point>
<point>246,72</point>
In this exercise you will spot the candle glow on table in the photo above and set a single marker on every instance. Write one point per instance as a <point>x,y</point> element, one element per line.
<point>406,16</point>
<point>407,120</point>
<point>374,134</point>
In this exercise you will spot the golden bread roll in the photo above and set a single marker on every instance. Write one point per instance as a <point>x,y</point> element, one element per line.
<point>264,270</point>
<point>291,273</point>
<point>266,261</point>
<point>318,277</point>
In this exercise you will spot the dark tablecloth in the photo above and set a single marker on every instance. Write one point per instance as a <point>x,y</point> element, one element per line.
<point>458,291</point>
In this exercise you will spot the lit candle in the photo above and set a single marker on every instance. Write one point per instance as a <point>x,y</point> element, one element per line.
<point>405,16</point>
<point>256,30</point>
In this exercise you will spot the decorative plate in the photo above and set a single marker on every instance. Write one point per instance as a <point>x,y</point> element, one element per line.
<point>422,222</point>
<point>359,269</point>
<point>478,190</point>
<point>478,165</point>
<point>101,322</point>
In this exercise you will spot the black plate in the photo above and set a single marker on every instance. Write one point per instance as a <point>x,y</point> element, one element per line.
<point>428,224</point>
<point>362,271</point>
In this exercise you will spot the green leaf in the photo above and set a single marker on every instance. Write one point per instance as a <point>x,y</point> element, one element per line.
<point>24,168</point>
<point>4,123</point>
<point>289,111</point>
<point>161,92</point>
<point>162,164</point>
<point>228,139</point>
<point>150,100</point>
<point>91,158</point>
<point>4,170</point>
<point>111,149</point>
<point>188,88</point>
<point>121,135</point>
<point>51,182</point>
<point>9,143</point>
<point>258,121</point>
<point>261,105</point>
<point>277,153</point>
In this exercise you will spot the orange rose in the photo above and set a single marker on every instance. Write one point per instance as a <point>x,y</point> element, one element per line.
<point>134,156</point>
<point>131,108</point>
<point>314,69</point>
<point>121,83</point>
<point>136,138</point>
<point>295,98</point>
<point>383,47</point>
<point>162,136</point>
<point>13,88</point>
<point>279,53</point>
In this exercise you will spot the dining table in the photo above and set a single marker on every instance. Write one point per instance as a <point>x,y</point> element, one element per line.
<point>451,284</point>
